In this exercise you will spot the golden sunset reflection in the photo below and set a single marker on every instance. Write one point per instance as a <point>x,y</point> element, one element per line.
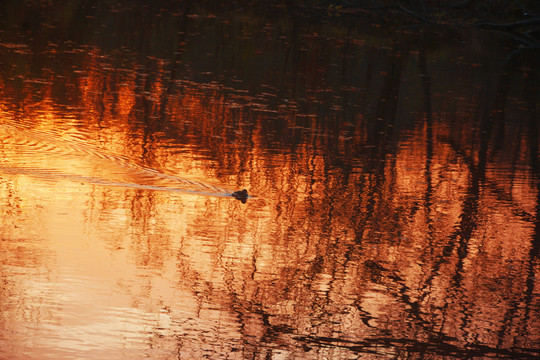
<point>119,234</point>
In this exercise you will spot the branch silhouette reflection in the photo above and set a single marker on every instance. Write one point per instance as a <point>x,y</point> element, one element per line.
<point>392,215</point>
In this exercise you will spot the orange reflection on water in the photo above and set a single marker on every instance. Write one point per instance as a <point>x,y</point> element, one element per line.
<point>118,235</point>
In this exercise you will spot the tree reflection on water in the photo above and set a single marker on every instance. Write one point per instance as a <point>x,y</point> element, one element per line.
<point>395,183</point>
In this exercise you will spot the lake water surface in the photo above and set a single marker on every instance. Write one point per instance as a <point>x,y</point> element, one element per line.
<point>393,177</point>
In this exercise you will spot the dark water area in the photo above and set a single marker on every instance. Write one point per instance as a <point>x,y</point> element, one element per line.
<point>392,172</point>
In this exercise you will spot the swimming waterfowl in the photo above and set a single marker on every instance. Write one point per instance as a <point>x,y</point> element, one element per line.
<point>241,195</point>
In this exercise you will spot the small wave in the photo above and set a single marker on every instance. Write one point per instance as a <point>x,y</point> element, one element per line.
<point>48,156</point>
<point>53,175</point>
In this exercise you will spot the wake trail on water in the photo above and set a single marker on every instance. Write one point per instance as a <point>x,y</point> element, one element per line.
<point>49,156</point>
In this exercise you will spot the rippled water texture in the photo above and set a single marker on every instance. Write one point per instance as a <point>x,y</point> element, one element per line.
<point>393,177</point>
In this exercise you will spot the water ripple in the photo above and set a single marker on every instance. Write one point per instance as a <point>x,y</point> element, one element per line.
<point>48,156</point>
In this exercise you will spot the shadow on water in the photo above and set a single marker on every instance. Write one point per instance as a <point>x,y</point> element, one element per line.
<point>395,174</point>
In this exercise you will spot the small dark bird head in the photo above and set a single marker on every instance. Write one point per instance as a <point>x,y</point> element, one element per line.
<point>241,195</point>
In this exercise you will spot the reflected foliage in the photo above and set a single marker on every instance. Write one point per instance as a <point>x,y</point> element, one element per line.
<point>394,180</point>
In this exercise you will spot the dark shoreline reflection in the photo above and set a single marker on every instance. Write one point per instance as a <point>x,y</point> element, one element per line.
<point>395,183</point>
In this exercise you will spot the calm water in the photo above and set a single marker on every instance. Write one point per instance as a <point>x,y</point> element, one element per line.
<point>393,174</point>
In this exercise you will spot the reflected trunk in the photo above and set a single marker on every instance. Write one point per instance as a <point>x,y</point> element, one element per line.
<point>393,208</point>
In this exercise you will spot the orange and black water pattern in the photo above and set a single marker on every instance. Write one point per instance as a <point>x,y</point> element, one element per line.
<point>392,186</point>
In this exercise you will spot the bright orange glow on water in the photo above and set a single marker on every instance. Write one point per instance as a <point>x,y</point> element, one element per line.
<point>382,222</point>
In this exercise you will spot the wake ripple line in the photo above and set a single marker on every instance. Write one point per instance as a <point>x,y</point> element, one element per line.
<point>55,175</point>
<point>42,141</point>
